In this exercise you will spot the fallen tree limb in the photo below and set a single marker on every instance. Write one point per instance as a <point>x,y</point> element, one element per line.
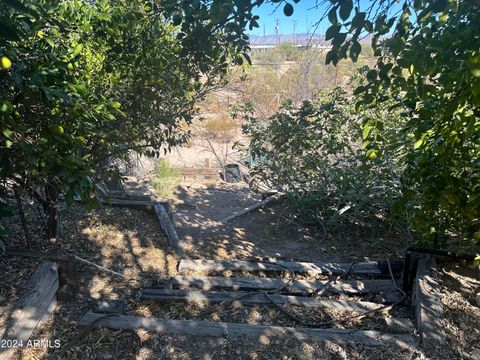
<point>252,207</point>
<point>101,268</point>
<point>60,258</point>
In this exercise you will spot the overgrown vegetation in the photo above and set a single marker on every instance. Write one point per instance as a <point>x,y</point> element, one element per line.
<point>85,83</point>
<point>313,153</point>
<point>166,179</point>
<point>429,71</point>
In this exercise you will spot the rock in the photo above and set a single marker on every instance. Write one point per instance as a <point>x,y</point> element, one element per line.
<point>463,326</point>
<point>111,307</point>
<point>477,299</point>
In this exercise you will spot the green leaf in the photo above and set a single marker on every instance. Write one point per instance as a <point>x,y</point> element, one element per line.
<point>331,57</point>
<point>365,144</point>
<point>418,143</point>
<point>476,262</point>
<point>332,16</point>
<point>177,20</point>
<point>332,31</point>
<point>50,42</point>
<point>358,90</point>
<point>339,40</point>
<point>346,7</point>
<point>7,132</point>
<point>78,49</point>
<point>116,105</point>
<point>358,20</point>
<point>247,57</point>
<point>476,72</point>
<point>366,131</point>
<point>355,51</point>
<point>288,9</point>
<point>372,75</point>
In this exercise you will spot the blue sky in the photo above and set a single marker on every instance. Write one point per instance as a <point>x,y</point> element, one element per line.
<point>304,17</point>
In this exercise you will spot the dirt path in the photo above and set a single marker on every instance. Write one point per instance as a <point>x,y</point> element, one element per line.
<point>266,232</point>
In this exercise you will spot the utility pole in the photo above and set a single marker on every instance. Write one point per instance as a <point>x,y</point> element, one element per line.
<point>306,25</point>
<point>264,35</point>
<point>294,30</point>
<point>277,28</point>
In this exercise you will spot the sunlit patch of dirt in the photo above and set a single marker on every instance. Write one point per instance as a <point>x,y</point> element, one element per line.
<point>459,286</point>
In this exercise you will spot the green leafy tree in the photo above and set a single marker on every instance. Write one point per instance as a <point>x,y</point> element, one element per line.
<point>428,62</point>
<point>84,83</point>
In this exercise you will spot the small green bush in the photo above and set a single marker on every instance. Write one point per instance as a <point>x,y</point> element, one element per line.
<point>166,179</point>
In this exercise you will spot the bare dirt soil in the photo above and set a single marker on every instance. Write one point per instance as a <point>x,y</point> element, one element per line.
<point>269,231</point>
<point>131,242</point>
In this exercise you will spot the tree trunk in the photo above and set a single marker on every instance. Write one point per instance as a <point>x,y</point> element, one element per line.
<point>54,225</point>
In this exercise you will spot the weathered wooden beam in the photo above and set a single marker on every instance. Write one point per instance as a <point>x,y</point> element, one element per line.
<point>168,228</point>
<point>351,287</point>
<point>428,305</point>
<point>232,330</point>
<point>115,194</point>
<point>32,308</point>
<point>317,268</point>
<point>67,270</point>
<point>245,298</point>
<point>146,205</point>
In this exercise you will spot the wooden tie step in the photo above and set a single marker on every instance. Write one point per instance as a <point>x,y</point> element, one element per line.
<point>232,330</point>
<point>246,298</point>
<point>373,268</point>
<point>351,287</point>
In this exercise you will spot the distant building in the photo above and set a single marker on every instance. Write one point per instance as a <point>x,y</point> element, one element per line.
<point>265,48</point>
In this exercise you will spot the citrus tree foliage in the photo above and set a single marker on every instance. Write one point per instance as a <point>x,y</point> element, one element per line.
<point>83,83</point>
<point>430,64</point>
<point>313,153</point>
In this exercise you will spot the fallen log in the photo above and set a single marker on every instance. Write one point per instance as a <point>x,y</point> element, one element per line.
<point>32,309</point>
<point>232,330</point>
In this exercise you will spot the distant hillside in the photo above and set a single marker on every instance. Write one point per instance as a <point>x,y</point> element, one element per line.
<point>301,39</point>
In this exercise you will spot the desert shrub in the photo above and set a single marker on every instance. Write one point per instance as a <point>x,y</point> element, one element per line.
<point>166,179</point>
<point>314,154</point>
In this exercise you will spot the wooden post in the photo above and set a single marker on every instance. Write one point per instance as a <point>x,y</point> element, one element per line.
<point>428,305</point>
<point>168,228</point>
<point>33,308</point>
